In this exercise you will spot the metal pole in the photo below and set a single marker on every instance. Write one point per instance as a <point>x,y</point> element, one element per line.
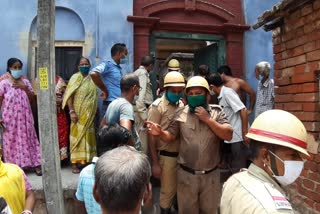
<point>51,178</point>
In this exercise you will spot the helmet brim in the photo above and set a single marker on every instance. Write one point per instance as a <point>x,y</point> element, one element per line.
<point>174,85</point>
<point>174,69</point>
<point>276,142</point>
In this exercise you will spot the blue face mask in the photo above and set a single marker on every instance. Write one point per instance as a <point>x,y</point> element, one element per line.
<point>124,60</point>
<point>16,74</point>
<point>172,97</point>
<point>84,69</point>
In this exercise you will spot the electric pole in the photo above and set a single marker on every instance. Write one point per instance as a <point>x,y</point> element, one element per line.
<point>51,178</point>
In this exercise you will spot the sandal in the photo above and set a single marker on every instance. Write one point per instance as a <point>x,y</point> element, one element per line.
<point>38,171</point>
<point>75,169</point>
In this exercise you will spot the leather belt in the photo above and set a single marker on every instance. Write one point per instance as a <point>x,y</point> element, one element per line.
<point>169,154</point>
<point>197,172</point>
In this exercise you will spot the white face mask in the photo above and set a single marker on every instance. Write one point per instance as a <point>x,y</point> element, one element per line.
<point>292,170</point>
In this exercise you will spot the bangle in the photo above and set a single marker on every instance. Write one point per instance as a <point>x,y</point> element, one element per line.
<point>26,212</point>
<point>71,111</point>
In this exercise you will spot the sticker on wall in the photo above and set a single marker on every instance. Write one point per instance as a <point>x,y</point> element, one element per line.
<point>43,77</point>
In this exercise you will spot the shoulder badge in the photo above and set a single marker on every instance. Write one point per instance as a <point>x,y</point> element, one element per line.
<point>157,102</point>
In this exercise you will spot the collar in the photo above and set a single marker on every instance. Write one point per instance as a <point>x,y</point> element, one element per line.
<point>221,92</point>
<point>94,160</point>
<point>114,62</point>
<point>266,83</point>
<point>262,175</point>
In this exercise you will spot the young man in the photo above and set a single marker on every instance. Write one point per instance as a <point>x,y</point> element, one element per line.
<point>164,155</point>
<point>122,181</point>
<point>109,137</point>
<point>265,91</point>
<point>278,138</point>
<point>121,109</point>
<point>237,117</point>
<point>144,100</point>
<point>200,127</point>
<point>238,85</point>
<point>107,76</point>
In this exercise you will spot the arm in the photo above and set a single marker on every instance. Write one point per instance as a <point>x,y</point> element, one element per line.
<point>246,87</point>
<point>152,143</point>
<point>96,78</point>
<point>128,125</point>
<point>30,201</point>
<point>141,107</point>
<point>73,114</point>
<point>244,124</point>
<point>223,131</point>
<point>156,130</point>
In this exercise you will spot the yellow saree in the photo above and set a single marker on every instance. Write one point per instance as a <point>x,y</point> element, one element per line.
<point>12,186</point>
<point>85,102</point>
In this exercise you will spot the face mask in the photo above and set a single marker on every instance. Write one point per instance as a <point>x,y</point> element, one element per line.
<point>16,74</point>
<point>260,77</point>
<point>172,97</point>
<point>196,101</point>
<point>292,170</point>
<point>124,60</point>
<point>84,69</point>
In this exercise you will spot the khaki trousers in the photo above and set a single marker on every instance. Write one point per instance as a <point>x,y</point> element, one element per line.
<point>138,121</point>
<point>198,194</point>
<point>168,179</point>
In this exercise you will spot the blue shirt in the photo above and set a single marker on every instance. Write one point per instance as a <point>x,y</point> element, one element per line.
<point>85,190</point>
<point>111,74</point>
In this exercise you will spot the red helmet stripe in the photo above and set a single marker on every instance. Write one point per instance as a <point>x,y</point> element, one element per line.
<point>277,136</point>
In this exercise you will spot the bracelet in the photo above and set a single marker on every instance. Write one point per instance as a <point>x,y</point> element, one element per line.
<point>26,212</point>
<point>71,111</point>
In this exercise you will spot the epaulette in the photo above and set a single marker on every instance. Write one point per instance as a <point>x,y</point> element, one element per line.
<point>157,102</point>
<point>214,106</point>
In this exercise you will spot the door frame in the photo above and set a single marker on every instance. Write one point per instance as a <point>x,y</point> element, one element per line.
<point>221,44</point>
<point>32,65</point>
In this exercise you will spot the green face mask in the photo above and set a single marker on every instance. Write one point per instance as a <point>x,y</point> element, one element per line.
<point>196,101</point>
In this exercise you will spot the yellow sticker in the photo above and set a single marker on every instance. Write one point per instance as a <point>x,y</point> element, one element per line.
<point>43,77</point>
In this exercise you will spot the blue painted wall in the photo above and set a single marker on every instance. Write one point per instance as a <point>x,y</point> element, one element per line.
<point>103,25</point>
<point>258,43</point>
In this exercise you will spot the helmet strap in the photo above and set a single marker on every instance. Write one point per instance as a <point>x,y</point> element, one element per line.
<point>273,163</point>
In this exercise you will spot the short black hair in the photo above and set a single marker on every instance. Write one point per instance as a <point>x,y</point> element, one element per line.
<point>118,48</point>
<point>203,70</point>
<point>11,61</point>
<point>147,60</point>
<point>111,136</point>
<point>224,69</point>
<point>128,81</point>
<point>215,79</point>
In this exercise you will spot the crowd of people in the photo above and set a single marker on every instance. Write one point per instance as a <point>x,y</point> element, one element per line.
<point>195,127</point>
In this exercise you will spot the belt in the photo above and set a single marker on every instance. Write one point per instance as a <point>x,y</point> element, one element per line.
<point>196,172</point>
<point>169,154</point>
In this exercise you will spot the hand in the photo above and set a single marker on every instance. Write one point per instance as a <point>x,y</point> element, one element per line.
<point>153,128</point>
<point>19,84</point>
<point>246,140</point>
<point>202,114</point>
<point>156,170</point>
<point>104,95</point>
<point>74,117</point>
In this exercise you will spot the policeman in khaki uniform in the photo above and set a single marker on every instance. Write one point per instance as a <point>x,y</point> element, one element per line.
<point>199,128</point>
<point>173,65</point>
<point>278,139</point>
<point>162,112</point>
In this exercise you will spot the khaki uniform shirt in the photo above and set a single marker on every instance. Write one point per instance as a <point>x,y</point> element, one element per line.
<point>162,113</point>
<point>199,145</point>
<point>253,192</point>
<point>145,95</point>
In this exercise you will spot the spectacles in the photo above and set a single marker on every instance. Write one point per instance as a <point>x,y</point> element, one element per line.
<point>139,87</point>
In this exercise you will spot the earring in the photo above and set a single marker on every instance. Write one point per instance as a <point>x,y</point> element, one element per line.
<point>264,164</point>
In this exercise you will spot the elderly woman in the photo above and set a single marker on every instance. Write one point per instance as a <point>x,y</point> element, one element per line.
<point>265,91</point>
<point>81,96</point>
<point>20,142</point>
<point>15,189</point>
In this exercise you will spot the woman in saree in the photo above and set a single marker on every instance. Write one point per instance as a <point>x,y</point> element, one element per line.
<point>81,96</point>
<point>20,142</point>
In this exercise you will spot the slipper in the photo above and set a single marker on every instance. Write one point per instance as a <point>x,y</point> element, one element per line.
<point>75,170</point>
<point>38,171</point>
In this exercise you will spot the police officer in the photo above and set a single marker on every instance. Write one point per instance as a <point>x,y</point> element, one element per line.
<point>277,140</point>
<point>173,65</point>
<point>200,127</point>
<point>164,155</point>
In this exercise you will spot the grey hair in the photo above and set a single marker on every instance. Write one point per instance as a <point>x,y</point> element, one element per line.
<point>263,68</point>
<point>121,177</point>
